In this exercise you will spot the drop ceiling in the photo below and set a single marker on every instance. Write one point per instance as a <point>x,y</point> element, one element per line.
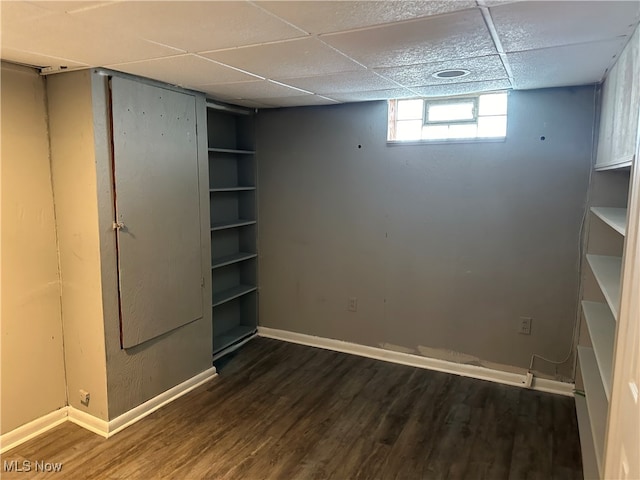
<point>264,54</point>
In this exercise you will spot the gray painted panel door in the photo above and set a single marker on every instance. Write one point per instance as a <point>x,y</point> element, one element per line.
<point>157,201</point>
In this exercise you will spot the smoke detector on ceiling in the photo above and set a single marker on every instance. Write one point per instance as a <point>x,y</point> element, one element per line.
<point>451,73</point>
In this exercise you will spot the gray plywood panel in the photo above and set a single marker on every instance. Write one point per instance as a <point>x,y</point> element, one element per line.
<point>157,199</point>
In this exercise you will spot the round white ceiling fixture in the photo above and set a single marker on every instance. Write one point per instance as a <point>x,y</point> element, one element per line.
<point>451,73</point>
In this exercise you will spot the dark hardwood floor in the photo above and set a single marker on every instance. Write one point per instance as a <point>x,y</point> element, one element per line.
<point>284,411</point>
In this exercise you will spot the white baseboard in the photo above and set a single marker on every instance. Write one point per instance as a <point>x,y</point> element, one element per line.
<point>96,425</point>
<point>32,429</point>
<point>88,422</point>
<point>473,371</point>
<point>132,416</point>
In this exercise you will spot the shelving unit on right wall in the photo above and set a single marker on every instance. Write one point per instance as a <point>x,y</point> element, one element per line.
<point>605,249</point>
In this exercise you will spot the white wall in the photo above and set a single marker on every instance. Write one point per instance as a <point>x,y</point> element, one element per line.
<point>445,246</point>
<point>32,366</point>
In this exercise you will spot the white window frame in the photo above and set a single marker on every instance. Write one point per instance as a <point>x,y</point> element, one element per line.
<point>393,111</point>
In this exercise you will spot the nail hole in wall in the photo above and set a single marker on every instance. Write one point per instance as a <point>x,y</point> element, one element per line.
<point>543,138</point>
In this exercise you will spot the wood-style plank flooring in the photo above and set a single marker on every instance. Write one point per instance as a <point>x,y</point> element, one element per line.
<point>284,411</point>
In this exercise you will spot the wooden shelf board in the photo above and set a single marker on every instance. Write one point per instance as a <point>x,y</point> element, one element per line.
<point>229,337</point>
<point>618,163</point>
<point>233,224</point>
<point>230,259</point>
<point>231,189</point>
<point>602,330</point>
<point>597,404</point>
<point>232,293</point>
<point>231,150</point>
<point>589,463</point>
<point>616,218</point>
<point>607,271</point>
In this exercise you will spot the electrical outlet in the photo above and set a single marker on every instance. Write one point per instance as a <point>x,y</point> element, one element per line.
<point>525,325</point>
<point>353,304</point>
<point>84,397</point>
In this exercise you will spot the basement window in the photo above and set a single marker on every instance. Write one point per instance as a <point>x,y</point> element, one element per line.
<point>449,119</point>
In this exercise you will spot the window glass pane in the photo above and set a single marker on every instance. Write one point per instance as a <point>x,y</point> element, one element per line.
<point>409,109</point>
<point>463,131</point>
<point>449,112</point>
<point>492,126</point>
<point>408,130</point>
<point>493,104</point>
<point>435,132</point>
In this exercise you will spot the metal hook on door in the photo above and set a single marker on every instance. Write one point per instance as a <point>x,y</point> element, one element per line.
<point>118,225</point>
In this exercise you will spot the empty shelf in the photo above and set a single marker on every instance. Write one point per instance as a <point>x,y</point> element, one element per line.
<point>231,293</point>
<point>607,271</point>
<point>597,404</point>
<point>229,259</point>
<point>232,224</point>
<point>229,337</point>
<point>602,330</point>
<point>589,462</point>
<point>621,162</point>
<point>616,218</point>
<point>231,150</point>
<point>232,189</point>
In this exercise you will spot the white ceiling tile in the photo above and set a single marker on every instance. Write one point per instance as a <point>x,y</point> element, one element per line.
<point>563,66</point>
<point>250,90</point>
<point>60,35</point>
<point>38,60</point>
<point>187,70</point>
<point>532,25</point>
<point>193,26</point>
<point>335,16</point>
<point>298,101</point>
<point>342,82</point>
<point>69,5</point>
<point>21,12</point>
<point>480,68</point>
<point>455,35</point>
<point>372,95</point>
<point>462,88</point>
<point>293,58</point>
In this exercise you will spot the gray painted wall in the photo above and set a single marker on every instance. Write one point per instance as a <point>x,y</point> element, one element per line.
<point>138,374</point>
<point>118,379</point>
<point>444,245</point>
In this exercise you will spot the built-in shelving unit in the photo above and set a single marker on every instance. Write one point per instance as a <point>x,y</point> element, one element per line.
<point>616,218</point>
<point>606,235</point>
<point>589,463</point>
<point>597,403</point>
<point>596,361</point>
<point>232,189</point>
<point>619,163</point>
<point>233,258</point>
<point>232,192</point>
<point>607,270</point>
<point>231,224</point>
<point>232,150</point>
<point>232,293</point>
<point>602,330</point>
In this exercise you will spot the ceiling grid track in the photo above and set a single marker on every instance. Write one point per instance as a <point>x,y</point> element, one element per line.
<point>488,20</point>
<point>297,53</point>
